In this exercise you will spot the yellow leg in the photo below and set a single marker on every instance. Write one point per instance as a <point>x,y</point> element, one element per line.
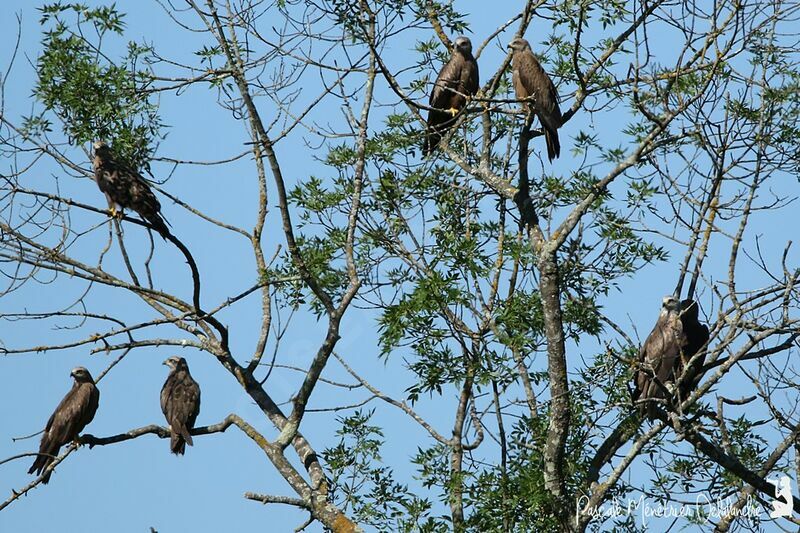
<point>453,111</point>
<point>112,207</point>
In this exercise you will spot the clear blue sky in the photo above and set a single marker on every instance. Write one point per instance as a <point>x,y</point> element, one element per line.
<point>132,486</point>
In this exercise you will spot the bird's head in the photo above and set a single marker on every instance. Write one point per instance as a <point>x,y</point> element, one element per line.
<point>81,375</point>
<point>519,44</point>
<point>464,45</point>
<point>670,303</point>
<point>175,362</point>
<point>100,147</point>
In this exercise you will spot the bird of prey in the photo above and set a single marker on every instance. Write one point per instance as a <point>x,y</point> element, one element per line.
<point>457,81</point>
<point>532,83</point>
<point>74,412</point>
<point>659,355</point>
<point>127,188</point>
<point>180,402</point>
<point>696,337</point>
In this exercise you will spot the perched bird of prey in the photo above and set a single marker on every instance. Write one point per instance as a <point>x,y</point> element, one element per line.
<point>531,81</point>
<point>180,402</point>
<point>659,355</point>
<point>127,188</point>
<point>457,81</point>
<point>74,412</point>
<point>696,337</point>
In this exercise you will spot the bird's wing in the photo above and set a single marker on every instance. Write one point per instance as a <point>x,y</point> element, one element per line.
<point>443,95</point>
<point>166,392</point>
<point>181,402</point>
<point>658,355</point>
<point>539,84</point>
<point>470,78</point>
<point>74,412</point>
<point>520,90</point>
<point>142,194</point>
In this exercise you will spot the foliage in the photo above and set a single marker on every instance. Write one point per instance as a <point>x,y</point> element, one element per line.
<point>94,97</point>
<point>669,154</point>
<point>361,485</point>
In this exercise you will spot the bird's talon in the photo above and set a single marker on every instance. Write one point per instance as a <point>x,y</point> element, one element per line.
<point>453,111</point>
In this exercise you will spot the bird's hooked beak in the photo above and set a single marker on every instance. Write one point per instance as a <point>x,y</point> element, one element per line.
<point>78,373</point>
<point>670,302</point>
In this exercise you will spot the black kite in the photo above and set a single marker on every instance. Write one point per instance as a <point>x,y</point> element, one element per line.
<point>127,188</point>
<point>457,81</point>
<point>532,84</point>
<point>180,402</point>
<point>74,412</point>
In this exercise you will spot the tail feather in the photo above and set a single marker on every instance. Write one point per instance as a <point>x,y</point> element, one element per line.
<point>179,439</point>
<point>41,463</point>
<point>159,224</point>
<point>553,146</point>
<point>187,437</point>
<point>432,140</point>
<point>439,123</point>
<point>177,445</point>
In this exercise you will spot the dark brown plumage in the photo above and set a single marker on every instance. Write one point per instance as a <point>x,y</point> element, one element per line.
<point>531,81</point>
<point>659,355</point>
<point>74,412</point>
<point>180,402</point>
<point>127,188</point>
<point>457,80</point>
<point>696,337</point>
